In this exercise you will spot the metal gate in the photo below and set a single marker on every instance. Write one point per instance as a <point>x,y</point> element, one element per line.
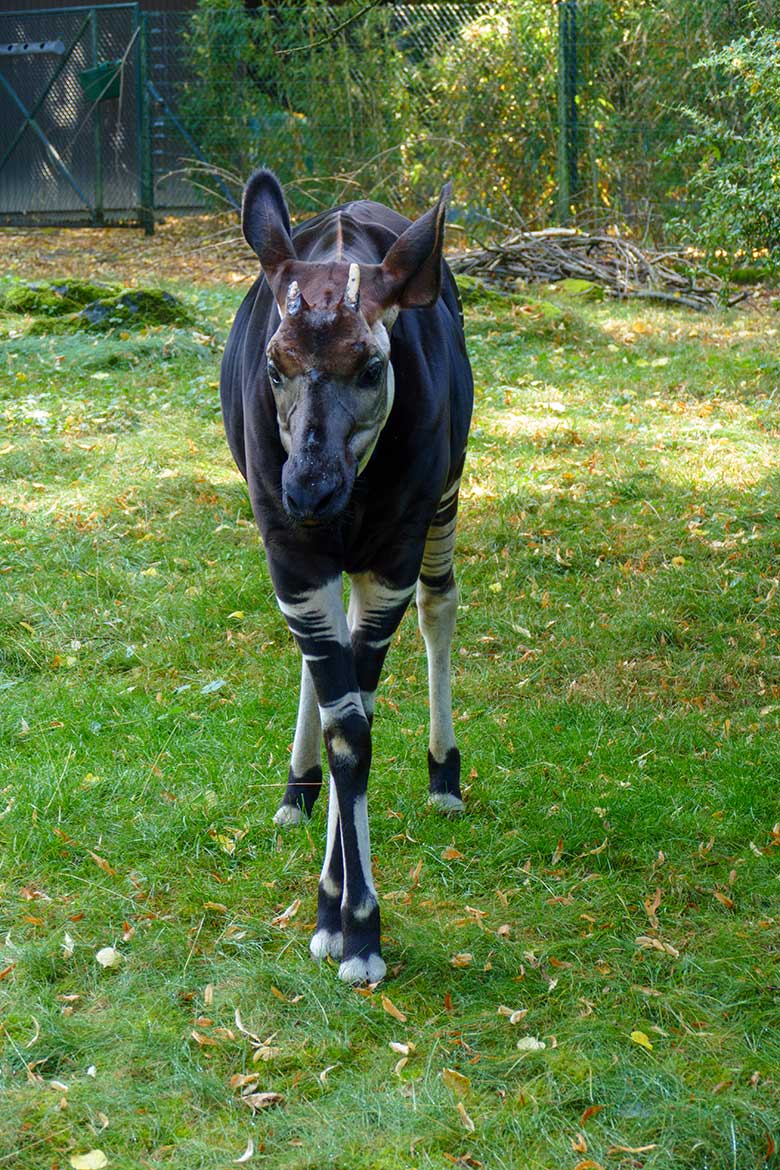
<point>88,125</point>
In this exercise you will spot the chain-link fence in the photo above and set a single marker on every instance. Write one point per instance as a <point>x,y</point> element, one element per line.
<point>540,112</point>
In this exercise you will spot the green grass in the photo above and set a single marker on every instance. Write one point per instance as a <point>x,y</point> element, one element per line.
<point>617,679</point>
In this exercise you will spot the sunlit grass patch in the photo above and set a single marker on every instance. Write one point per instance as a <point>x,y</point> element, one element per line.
<point>617,702</point>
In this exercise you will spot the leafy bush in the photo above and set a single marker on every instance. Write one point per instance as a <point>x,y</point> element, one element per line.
<point>736,184</point>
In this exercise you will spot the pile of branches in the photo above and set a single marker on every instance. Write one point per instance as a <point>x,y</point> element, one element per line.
<point>617,265</point>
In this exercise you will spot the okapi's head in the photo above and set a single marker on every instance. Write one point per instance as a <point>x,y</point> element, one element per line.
<point>328,363</point>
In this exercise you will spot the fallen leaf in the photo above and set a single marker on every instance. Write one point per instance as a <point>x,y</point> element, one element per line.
<point>591,1111</point>
<point>455,1081</point>
<point>651,906</point>
<point>323,1076</point>
<point>530,1044</point>
<point>451,854</point>
<point>242,1080</point>
<point>94,1160</point>
<point>642,1040</point>
<point>468,1124</point>
<point>400,1065</point>
<point>101,863</point>
<point>401,1049</point>
<point>109,958</point>
<point>285,916</point>
<point>462,959</point>
<point>632,1149</point>
<point>392,1010</point>
<point>247,1154</point>
<point>579,1144</point>
<point>724,899</point>
<point>504,931</point>
<point>588,1164</point>
<point>647,942</point>
<point>257,1101</point>
<point>558,854</point>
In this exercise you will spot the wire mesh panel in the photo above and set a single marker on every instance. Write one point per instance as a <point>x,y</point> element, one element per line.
<point>68,114</point>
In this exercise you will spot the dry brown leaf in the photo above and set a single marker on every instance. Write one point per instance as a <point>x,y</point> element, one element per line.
<point>504,931</point>
<point>455,1081</point>
<point>530,1044</point>
<point>277,994</point>
<point>242,1080</point>
<point>451,854</point>
<point>203,1041</point>
<point>646,942</point>
<point>462,959</point>
<point>579,1144</point>
<point>651,906</point>
<point>401,1049</point>
<point>468,1124</point>
<point>591,1111</point>
<point>400,1065</point>
<point>102,864</point>
<point>389,1007</point>
<point>632,1149</point>
<point>558,854</point>
<point>724,899</point>
<point>257,1101</point>
<point>588,1164</point>
<point>285,916</point>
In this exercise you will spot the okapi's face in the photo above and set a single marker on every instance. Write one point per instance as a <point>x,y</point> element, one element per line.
<point>331,377</point>
<point>328,363</point>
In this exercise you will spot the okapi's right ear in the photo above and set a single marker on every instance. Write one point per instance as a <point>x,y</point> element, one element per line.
<point>265,222</point>
<point>411,270</point>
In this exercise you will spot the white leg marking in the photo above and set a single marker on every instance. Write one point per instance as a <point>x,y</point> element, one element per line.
<point>436,613</point>
<point>332,842</point>
<point>369,702</point>
<point>360,815</point>
<point>287,815</point>
<point>446,802</point>
<point>358,970</point>
<point>349,704</point>
<point>327,942</point>
<point>307,744</point>
<point>320,612</point>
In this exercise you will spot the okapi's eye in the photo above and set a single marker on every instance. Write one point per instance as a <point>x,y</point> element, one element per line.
<point>372,374</point>
<point>273,374</point>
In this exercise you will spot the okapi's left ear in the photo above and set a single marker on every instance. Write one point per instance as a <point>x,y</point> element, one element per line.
<point>411,270</point>
<point>265,221</point>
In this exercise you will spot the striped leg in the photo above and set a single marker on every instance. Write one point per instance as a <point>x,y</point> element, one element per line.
<point>437,607</point>
<point>375,611</point>
<point>305,777</point>
<point>347,910</point>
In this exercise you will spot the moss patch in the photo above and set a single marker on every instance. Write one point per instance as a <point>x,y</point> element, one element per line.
<point>73,305</point>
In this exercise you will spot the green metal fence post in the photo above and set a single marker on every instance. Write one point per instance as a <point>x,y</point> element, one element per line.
<point>567,109</point>
<point>145,161</point>
<point>97,113</point>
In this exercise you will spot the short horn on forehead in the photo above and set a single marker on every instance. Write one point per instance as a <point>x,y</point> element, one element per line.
<point>352,291</point>
<point>293,302</point>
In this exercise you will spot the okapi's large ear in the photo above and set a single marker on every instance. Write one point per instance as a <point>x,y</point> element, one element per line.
<point>411,269</point>
<point>265,221</point>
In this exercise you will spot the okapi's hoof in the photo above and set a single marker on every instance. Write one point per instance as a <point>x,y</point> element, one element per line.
<point>446,802</point>
<point>327,943</point>
<point>359,970</point>
<point>288,814</point>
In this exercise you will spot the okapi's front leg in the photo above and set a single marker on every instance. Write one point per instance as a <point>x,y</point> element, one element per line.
<point>347,910</point>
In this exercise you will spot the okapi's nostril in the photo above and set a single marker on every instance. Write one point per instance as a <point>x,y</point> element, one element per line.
<point>310,501</point>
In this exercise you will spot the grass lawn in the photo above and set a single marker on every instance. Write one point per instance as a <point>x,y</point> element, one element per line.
<point>593,951</point>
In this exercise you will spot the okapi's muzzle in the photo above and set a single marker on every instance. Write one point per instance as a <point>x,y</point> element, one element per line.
<point>319,475</point>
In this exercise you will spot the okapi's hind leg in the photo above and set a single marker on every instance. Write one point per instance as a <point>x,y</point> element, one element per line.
<point>437,607</point>
<point>304,780</point>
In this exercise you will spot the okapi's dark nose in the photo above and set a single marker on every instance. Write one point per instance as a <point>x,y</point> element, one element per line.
<point>314,500</point>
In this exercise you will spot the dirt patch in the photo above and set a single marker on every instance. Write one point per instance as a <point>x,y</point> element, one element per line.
<point>204,249</point>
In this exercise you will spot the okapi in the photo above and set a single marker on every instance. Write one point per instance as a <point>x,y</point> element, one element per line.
<point>346,396</point>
